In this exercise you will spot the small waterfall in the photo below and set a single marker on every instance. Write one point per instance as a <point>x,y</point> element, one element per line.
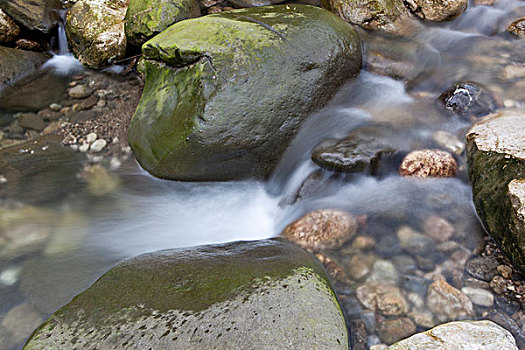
<point>63,63</point>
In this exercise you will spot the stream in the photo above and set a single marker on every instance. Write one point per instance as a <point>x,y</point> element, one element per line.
<point>71,240</point>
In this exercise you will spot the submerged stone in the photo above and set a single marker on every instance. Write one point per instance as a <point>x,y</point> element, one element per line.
<point>468,99</point>
<point>262,294</point>
<point>225,93</point>
<point>437,10</point>
<point>147,18</point>
<point>496,167</point>
<point>428,163</point>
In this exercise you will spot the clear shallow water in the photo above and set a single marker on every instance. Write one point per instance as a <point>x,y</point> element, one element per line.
<point>78,237</point>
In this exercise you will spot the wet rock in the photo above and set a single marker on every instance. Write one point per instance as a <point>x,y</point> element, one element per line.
<point>479,296</point>
<point>428,163</point>
<point>360,151</point>
<point>483,268</point>
<point>83,116</point>
<point>505,271</point>
<point>29,45</point>
<point>333,268</point>
<point>95,29</point>
<point>236,295</point>
<point>391,331</point>
<point>15,64</point>
<point>147,18</point>
<point>496,160</point>
<point>41,15</point>
<point>447,301</point>
<point>86,104</point>
<point>437,10</point>
<point>413,241</point>
<point>9,30</point>
<point>422,318</point>
<point>358,335</point>
<point>469,99</point>
<point>359,265</point>
<point>437,228</point>
<point>31,121</point>
<point>382,298</point>
<point>80,91</point>
<point>50,115</point>
<point>517,28</point>
<point>321,229</point>
<point>363,242</point>
<point>390,16</point>
<point>212,82</point>
<point>509,324</point>
<point>384,271</point>
<point>21,321</point>
<point>460,335</point>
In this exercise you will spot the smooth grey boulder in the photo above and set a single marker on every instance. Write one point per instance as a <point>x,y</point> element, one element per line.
<point>245,295</point>
<point>42,15</point>
<point>15,64</point>
<point>226,93</point>
<point>496,169</point>
<point>464,335</point>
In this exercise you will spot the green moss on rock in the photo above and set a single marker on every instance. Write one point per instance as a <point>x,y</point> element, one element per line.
<point>147,18</point>
<point>236,87</point>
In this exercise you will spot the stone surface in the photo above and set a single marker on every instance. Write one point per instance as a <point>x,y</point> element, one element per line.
<point>445,300</point>
<point>321,229</point>
<point>360,151</point>
<point>359,265</point>
<point>482,268</point>
<point>80,91</point>
<point>437,228</point>
<point>461,336</point>
<point>31,121</point>
<point>517,28</point>
<point>437,10</point>
<point>396,329</point>
<point>479,296</point>
<point>382,298</point>
<point>9,30</point>
<point>252,3</point>
<point>413,241</point>
<point>496,169</point>
<point>147,18</point>
<point>207,111</point>
<point>390,16</point>
<point>41,15</point>
<point>266,294</point>
<point>428,163</point>
<point>469,99</point>
<point>15,64</point>
<point>95,29</point>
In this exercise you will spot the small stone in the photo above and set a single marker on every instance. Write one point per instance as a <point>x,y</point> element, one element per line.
<point>98,145</point>
<point>475,283</point>
<point>479,296</point>
<point>80,91</point>
<point>483,268</point>
<point>384,271</point>
<point>498,284</point>
<point>55,107</point>
<point>416,300</point>
<point>322,229</point>
<point>391,331</point>
<point>115,163</point>
<point>358,335</point>
<point>84,147</point>
<point>26,44</point>
<point>48,114</point>
<point>91,137</point>
<point>505,271</point>
<point>448,141</point>
<point>428,163</point>
<point>378,347</point>
<point>214,9</point>
<point>31,121</point>
<point>447,301</point>
<point>363,242</point>
<point>404,263</point>
<point>517,28</point>
<point>437,228</point>
<point>9,30</point>
<point>359,266</point>
<point>3,179</point>
<point>333,268</point>
<point>437,11</point>
<point>423,319</point>
<point>383,298</point>
<point>412,241</point>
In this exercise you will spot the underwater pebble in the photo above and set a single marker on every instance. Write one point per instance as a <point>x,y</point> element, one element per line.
<point>91,137</point>
<point>428,163</point>
<point>479,296</point>
<point>385,299</point>
<point>445,300</point>
<point>98,145</point>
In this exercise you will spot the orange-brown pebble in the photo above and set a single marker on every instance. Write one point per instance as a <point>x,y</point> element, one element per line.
<point>428,163</point>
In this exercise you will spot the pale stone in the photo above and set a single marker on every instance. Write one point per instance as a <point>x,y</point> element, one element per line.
<point>479,296</point>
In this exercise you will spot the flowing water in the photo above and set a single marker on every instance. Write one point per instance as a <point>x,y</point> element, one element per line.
<point>71,240</point>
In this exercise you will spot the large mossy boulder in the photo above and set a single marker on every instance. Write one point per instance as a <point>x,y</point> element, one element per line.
<point>496,162</point>
<point>95,29</point>
<point>15,64</point>
<point>147,18</point>
<point>42,15</point>
<point>225,93</point>
<point>245,295</point>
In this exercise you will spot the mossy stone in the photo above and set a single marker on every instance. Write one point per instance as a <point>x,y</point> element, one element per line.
<point>147,18</point>
<point>225,93</point>
<point>260,294</point>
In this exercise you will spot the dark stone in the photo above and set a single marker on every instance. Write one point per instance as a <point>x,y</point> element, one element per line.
<point>509,324</point>
<point>86,104</point>
<point>468,99</point>
<point>31,121</point>
<point>41,15</point>
<point>360,151</point>
<point>50,115</point>
<point>414,284</point>
<point>391,331</point>
<point>358,335</point>
<point>83,116</point>
<point>15,64</point>
<point>483,268</point>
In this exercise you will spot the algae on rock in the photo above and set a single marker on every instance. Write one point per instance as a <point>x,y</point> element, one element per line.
<point>225,93</point>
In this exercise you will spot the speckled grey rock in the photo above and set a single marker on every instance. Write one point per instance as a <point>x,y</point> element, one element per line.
<point>262,294</point>
<point>9,30</point>
<point>465,335</point>
<point>496,169</point>
<point>437,10</point>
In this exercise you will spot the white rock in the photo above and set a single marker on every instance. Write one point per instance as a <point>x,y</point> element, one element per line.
<point>91,137</point>
<point>466,335</point>
<point>84,147</point>
<point>98,145</point>
<point>479,296</point>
